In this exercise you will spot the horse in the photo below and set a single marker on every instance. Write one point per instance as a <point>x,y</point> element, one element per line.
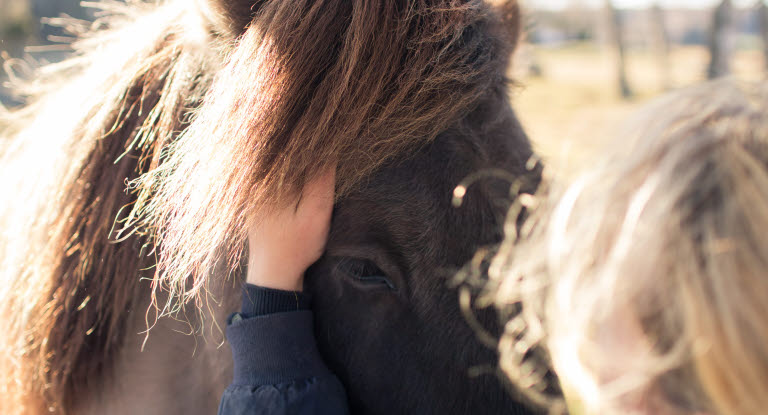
<point>130,176</point>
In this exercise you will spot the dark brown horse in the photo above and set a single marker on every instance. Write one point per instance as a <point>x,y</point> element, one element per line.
<point>212,111</point>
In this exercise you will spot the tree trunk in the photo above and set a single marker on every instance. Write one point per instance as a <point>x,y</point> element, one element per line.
<point>661,45</point>
<point>718,41</point>
<point>616,34</point>
<point>762,15</point>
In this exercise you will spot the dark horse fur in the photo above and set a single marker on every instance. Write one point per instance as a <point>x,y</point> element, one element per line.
<point>130,177</point>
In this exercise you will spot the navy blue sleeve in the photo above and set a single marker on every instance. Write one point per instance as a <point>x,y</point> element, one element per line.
<point>278,369</point>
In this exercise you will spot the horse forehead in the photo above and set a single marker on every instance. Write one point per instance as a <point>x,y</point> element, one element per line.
<point>395,212</point>
<point>412,194</point>
<point>404,213</point>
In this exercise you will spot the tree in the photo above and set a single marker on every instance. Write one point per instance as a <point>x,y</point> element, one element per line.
<point>718,40</point>
<point>660,39</point>
<point>615,25</point>
<point>762,13</point>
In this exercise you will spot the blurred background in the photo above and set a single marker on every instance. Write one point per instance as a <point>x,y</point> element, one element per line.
<point>586,65</point>
<point>582,68</point>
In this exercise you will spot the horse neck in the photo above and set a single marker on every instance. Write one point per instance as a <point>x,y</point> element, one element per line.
<point>176,369</point>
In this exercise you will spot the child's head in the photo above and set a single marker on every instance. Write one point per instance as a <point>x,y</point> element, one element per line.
<point>646,282</point>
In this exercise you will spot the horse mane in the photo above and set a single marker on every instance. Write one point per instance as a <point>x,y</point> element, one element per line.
<point>93,122</point>
<point>145,155</point>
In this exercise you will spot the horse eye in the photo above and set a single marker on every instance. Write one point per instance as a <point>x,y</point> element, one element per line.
<point>365,271</point>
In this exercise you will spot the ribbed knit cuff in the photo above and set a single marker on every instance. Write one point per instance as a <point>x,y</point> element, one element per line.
<point>274,348</point>
<point>259,301</point>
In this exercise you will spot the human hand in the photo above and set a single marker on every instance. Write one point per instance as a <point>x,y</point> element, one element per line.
<point>283,244</point>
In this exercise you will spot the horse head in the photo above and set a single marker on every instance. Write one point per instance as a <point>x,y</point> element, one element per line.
<point>387,319</point>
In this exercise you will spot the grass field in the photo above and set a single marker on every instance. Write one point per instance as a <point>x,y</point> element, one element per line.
<point>571,110</point>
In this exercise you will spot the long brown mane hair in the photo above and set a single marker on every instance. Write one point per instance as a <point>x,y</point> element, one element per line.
<point>146,154</point>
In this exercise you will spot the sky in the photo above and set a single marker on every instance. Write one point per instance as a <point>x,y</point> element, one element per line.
<point>558,4</point>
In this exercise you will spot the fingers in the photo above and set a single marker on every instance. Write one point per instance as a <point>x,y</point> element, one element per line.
<point>284,243</point>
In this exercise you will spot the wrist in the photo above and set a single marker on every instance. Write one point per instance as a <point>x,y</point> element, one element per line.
<point>275,277</point>
<point>259,301</point>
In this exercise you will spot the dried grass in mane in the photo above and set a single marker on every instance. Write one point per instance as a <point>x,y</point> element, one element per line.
<point>310,83</point>
<point>212,116</point>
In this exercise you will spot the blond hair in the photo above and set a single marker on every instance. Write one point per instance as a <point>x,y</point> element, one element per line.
<point>644,283</point>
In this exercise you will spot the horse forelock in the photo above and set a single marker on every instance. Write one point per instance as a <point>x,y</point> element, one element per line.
<point>205,147</point>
